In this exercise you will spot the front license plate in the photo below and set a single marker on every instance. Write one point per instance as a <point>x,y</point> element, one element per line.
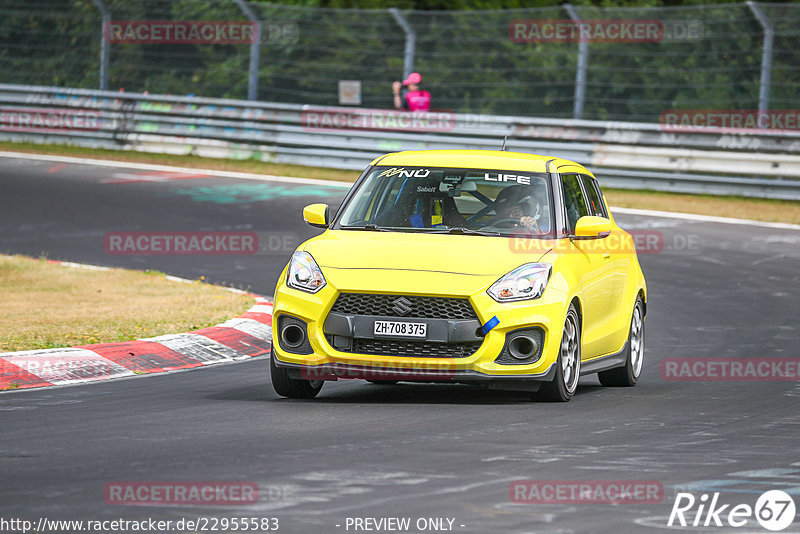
<point>397,328</point>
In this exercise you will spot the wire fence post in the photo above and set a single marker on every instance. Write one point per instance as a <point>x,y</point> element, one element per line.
<point>104,52</point>
<point>255,50</point>
<point>766,57</point>
<point>411,41</point>
<point>580,71</point>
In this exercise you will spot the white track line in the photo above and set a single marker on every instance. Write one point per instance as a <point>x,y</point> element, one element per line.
<point>169,168</point>
<point>704,218</point>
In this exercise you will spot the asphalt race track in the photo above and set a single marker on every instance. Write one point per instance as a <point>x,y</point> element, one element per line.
<point>408,451</point>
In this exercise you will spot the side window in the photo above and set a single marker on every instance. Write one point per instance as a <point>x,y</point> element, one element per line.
<point>593,197</point>
<point>366,209</point>
<point>573,199</point>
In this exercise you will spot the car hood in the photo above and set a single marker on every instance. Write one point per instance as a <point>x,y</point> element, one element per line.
<point>442,253</point>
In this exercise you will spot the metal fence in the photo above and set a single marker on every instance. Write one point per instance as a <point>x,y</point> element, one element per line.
<point>626,155</point>
<point>729,56</point>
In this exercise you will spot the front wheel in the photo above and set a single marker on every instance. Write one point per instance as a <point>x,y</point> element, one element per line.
<point>628,375</point>
<point>568,364</point>
<point>293,388</point>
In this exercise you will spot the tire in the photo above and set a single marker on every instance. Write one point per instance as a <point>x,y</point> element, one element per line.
<point>628,375</point>
<point>383,382</point>
<point>568,364</point>
<point>292,388</point>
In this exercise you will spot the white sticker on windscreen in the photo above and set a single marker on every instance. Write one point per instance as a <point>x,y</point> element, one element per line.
<point>500,177</point>
<point>405,173</point>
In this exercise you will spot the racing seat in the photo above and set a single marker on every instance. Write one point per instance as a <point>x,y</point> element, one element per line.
<point>416,209</point>
<point>436,210</point>
<point>450,215</point>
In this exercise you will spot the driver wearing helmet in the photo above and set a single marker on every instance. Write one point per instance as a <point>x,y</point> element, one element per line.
<point>518,202</point>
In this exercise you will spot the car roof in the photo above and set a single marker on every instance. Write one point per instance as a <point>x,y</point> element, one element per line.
<point>479,159</point>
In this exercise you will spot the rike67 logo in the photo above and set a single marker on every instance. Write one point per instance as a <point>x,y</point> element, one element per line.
<point>774,510</point>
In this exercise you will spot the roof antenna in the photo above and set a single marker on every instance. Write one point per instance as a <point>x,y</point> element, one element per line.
<point>504,142</point>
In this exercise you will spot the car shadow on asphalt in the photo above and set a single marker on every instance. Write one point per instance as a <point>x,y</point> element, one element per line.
<point>411,393</point>
<point>357,391</point>
<point>360,391</point>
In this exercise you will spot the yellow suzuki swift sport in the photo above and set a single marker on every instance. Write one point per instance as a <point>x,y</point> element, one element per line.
<point>462,266</point>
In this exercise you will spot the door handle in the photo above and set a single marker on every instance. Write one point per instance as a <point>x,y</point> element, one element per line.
<point>606,256</point>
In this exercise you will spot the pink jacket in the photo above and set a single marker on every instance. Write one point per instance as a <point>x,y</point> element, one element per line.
<point>418,100</point>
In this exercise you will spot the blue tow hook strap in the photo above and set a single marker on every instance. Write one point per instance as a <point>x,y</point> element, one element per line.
<point>491,323</point>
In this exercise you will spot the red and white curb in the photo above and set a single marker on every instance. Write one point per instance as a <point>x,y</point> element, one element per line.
<point>243,337</point>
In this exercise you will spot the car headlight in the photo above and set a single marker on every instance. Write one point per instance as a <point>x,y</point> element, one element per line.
<point>304,273</point>
<point>525,282</point>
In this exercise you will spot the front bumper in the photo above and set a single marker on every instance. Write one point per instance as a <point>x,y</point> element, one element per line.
<point>326,362</point>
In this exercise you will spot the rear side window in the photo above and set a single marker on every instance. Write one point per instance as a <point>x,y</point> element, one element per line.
<point>574,202</point>
<point>593,197</point>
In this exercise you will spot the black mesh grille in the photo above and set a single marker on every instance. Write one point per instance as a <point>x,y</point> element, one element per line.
<point>505,356</point>
<point>421,307</point>
<point>386,347</point>
<point>302,348</point>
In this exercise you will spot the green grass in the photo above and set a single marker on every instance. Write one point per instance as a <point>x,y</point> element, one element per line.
<point>769,210</point>
<point>47,305</point>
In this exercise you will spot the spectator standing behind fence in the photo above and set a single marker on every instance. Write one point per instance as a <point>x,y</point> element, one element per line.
<point>415,99</point>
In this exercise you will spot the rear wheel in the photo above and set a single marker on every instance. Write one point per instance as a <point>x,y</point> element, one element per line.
<point>568,364</point>
<point>293,388</point>
<point>628,375</point>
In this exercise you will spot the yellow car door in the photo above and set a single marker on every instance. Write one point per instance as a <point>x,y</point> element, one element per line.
<point>616,251</point>
<point>595,272</point>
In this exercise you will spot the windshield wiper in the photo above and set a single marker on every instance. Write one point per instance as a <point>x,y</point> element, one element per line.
<point>369,227</point>
<point>467,231</point>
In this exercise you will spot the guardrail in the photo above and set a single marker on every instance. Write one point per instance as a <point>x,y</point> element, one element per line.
<point>624,155</point>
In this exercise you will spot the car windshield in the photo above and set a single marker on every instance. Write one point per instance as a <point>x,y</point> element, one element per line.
<point>466,201</point>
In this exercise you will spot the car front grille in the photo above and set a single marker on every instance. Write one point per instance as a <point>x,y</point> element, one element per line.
<point>420,307</point>
<point>419,349</point>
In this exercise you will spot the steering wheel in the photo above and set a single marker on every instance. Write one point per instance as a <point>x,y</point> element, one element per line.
<point>508,222</point>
